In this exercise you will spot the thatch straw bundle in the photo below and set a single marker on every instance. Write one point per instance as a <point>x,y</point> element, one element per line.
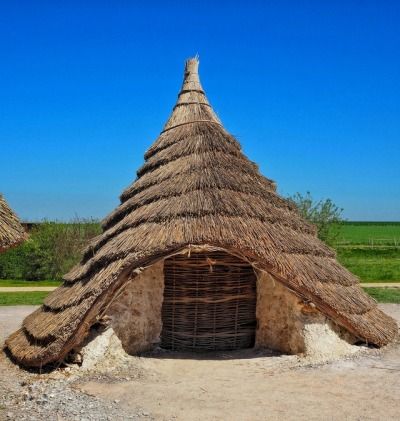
<point>11,231</point>
<point>197,188</point>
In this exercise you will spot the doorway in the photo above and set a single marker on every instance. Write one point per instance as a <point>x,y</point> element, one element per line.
<point>209,303</point>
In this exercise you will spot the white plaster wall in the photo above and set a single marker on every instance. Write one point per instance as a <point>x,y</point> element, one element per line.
<point>135,313</point>
<point>287,324</point>
<point>278,323</point>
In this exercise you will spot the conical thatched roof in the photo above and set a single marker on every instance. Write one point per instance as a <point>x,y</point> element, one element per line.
<point>11,231</point>
<point>197,188</point>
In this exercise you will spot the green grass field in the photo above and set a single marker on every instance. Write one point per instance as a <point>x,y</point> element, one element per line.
<point>20,283</point>
<point>371,264</point>
<point>370,234</point>
<point>22,298</point>
<point>371,250</point>
<point>385,295</point>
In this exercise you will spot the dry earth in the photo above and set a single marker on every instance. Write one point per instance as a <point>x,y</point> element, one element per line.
<point>229,386</point>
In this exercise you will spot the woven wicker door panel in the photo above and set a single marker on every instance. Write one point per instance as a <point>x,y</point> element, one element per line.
<point>209,303</point>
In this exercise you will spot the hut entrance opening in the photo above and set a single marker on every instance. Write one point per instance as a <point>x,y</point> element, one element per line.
<point>209,303</point>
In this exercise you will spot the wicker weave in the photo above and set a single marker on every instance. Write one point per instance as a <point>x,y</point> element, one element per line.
<point>209,303</point>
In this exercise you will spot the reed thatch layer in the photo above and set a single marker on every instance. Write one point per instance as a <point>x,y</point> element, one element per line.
<point>197,188</point>
<point>11,231</point>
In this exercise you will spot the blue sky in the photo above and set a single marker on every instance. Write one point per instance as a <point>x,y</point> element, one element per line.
<point>310,88</point>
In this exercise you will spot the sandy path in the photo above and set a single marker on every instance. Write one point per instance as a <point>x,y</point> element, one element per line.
<point>11,318</point>
<point>368,388</point>
<point>381,285</point>
<point>241,386</point>
<point>259,387</point>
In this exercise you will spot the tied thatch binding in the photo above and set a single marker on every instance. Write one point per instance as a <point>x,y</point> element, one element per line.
<point>197,188</point>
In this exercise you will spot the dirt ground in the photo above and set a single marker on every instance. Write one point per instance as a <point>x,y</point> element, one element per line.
<point>246,385</point>
<point>11,318</point>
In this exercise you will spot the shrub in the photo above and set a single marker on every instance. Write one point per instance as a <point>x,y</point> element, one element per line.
<point>324,214</point>
<point>52,249</point>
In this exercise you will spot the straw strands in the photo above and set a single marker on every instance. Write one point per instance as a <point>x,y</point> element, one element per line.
<point>196,187</point>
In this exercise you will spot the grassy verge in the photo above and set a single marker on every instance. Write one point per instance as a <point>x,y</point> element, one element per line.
<point>385,295</point>
<point>22,298</point>
<point>370,250</point>
<point>371,264</point>
<point>19,283</point>
<point>370,233</point>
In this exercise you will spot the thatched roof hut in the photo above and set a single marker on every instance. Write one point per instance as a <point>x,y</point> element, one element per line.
<point>202,253</point>
<point>11,231</point>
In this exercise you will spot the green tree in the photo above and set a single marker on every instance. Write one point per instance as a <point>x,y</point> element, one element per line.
<point>51,250</point>
<point>325,214</point>
<point>60,245</point>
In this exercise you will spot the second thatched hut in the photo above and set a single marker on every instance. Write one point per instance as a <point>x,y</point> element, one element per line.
<point>12,232</point>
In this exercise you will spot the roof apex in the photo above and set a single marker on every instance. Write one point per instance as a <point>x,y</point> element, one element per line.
<point>191,80</point>
<point>192,105</point>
